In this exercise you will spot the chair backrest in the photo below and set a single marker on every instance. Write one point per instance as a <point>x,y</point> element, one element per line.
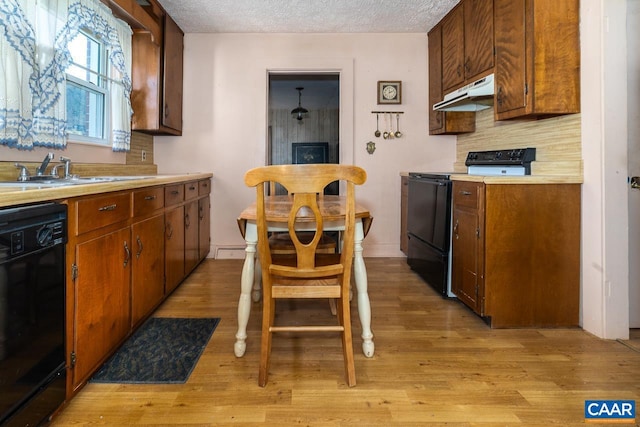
<point>305,183</point>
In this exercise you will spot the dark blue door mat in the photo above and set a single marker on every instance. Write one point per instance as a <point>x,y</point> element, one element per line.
<point>162,350</point>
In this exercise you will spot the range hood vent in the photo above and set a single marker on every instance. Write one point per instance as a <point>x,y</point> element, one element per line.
<point>475,96</point>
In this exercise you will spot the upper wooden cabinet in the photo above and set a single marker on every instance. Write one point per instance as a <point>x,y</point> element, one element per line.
<point>157,73</point>
<point>172,75</point>
<point>537,58</point>
<point>441,122</point>
<point>467,43</point>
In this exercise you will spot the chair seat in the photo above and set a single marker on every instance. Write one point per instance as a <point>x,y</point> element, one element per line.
<point>281,243</point>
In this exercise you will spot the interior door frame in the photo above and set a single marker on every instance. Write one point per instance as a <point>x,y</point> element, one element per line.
<point>344,68</point>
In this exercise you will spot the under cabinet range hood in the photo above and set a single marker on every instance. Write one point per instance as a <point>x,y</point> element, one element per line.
<point>475,96</point>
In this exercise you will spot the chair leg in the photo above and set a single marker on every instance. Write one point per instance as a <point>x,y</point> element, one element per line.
<point>344,316</point>
<point>268,314</point>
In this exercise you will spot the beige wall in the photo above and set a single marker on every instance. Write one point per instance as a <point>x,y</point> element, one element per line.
<point>225,113</point>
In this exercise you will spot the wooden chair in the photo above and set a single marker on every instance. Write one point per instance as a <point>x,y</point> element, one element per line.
<point>282,244</point>
<point>307,274</point>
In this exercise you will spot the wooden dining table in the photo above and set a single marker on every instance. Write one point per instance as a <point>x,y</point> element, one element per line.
<point>332,209</point>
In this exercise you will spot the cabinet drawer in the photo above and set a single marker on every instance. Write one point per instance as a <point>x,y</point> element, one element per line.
<point>173,194</point>
<point>204,187</point>
<point>191,190</point>
<point>148,200</point>
<point>467,194</point>
<point>98,212</point>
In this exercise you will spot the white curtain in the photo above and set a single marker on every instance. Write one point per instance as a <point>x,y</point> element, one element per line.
<point>34,36</point>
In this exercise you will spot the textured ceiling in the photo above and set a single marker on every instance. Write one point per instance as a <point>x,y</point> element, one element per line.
<point>307,16</point>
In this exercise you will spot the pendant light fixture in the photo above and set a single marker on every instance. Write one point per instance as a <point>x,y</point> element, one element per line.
<point>300,113</point>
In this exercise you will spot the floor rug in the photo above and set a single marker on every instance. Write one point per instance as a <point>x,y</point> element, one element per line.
<point>161,351</point>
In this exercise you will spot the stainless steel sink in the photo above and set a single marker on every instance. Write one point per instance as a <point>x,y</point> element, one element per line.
<point>61,182</point>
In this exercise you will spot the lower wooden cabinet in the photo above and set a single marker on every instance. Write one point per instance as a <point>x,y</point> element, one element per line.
<point>404,207</point>
<point>174,247</point>
<point>102,295</point>
<point>204,227</point>
<point>516,252</point>
<point>127,250</point>
<point>191,235</point>
<point>147,260</point>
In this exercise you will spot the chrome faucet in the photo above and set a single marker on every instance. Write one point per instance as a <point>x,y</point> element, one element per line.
<point>40,170</point>
<point>24,172</point>
<point>66,163</point>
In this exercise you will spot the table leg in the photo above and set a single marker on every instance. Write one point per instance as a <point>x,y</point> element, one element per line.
<point>364,307</point>
<point>246,283</point>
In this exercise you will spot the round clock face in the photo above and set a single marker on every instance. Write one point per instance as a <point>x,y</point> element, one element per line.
<point>389,92</point>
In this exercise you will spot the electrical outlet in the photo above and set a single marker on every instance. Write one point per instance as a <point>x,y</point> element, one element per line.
<point>144,156</point>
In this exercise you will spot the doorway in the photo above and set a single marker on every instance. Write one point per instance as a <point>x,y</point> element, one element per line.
<point>312,136</point>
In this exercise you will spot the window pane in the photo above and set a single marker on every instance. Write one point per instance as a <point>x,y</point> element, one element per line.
<point>85,51</point>
<point>85,109</point>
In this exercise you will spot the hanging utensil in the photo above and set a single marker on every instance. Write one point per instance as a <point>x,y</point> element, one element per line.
<point>390,126</point>
<point>377,133</point>
<point>385,135</point>
<point>398,133</point>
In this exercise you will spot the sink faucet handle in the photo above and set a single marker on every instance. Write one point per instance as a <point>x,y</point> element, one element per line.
<point>67,165</point>
<point>24,172</point>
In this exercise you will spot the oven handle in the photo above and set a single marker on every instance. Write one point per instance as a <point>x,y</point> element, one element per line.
<point>438,182</point>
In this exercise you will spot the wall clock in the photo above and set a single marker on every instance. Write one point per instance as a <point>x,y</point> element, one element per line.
<point>389,92</point>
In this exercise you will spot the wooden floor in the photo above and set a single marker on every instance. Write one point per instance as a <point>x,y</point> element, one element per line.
<point>435,363</point>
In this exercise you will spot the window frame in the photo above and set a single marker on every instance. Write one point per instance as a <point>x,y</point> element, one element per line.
<point>104,76</point>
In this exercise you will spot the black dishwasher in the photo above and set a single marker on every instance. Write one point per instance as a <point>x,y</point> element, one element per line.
<point>32,313</point>
<point>429,229</point>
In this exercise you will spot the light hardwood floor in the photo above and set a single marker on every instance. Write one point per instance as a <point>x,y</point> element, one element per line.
<point>436,363</point>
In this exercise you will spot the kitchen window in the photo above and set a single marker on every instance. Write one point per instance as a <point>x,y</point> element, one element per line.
<point>54,50</point>
<point>87,93</point>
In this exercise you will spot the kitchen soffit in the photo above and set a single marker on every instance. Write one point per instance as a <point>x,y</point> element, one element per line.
<point>304,16</point>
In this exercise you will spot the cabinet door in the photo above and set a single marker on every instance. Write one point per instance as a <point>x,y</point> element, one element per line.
<point>204,227</point>
<point>191,235</point>
<point>436,118</point>
<point>147,274</point>
<point>102,298</point>
<point>510,76</point>
<point>465,265</point>
<point>174,248</point>
<point>404,207</point>
<point>453,49</point>
<point>441,122</point>
<point>172,75</point>
<point>468,244</point>
<point>537,58</point>
<point>478,38</point>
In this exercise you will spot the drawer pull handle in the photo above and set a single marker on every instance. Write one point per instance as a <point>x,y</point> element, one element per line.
<point>187,221</point>
<point>140,247</point>
<point>127,254</point>
<point>169,231</point>
<point>175,192</point>
<point>465,193</point>
<point>192,188</point>
<point>150,197</point>
<point>108,208</point>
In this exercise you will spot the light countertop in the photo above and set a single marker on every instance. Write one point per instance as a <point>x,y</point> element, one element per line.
<point>527,179</point>
<point>18,194</point>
